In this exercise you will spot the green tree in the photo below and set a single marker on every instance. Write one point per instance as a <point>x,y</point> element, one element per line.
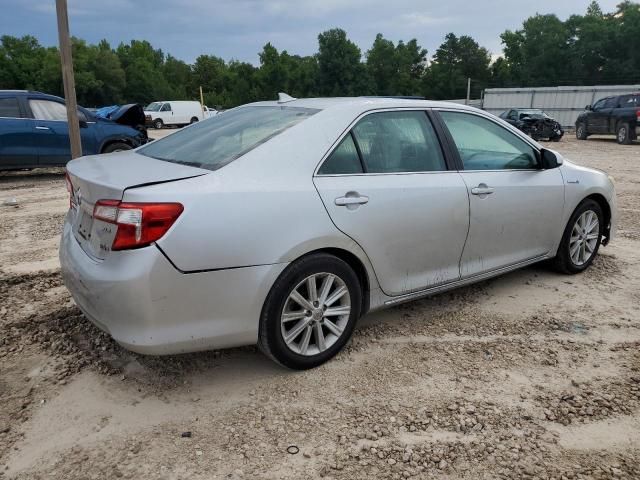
<point>340,71</point>
<point>456,60</point>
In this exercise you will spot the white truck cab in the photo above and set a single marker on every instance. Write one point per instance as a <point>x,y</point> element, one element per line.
<point>176,112</point>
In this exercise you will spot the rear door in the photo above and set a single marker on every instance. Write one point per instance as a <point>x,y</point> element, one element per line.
<point>17,143</point>
<point>387,186</point>
<point>52,132</point>
<point>515,207</point>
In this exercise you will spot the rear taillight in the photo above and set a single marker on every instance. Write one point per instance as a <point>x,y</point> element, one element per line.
<point>139,224</point>
<point>638,114</point>
<point>72,199</point>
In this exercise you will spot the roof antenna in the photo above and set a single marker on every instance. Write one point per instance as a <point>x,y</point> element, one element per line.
<point>284,98</point>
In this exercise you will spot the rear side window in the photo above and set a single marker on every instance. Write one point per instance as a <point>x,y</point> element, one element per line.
<point>485,145</point>
<point>221,139</point>
<point>344,160</point>
<point>628,101</point>
<point>9,107</point>
<point>398,142</point>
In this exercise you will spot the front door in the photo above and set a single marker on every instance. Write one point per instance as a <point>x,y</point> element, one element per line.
<point>387,187</point>
<point>515,207</point>
<point>52,132</point>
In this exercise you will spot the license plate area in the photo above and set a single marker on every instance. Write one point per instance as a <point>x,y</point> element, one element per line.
<point>85,223</point>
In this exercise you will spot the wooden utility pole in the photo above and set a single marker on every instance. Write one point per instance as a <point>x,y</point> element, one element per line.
<point>67,78</point>
<point>468,91</point>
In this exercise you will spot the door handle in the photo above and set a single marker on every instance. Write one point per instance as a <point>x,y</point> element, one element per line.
<point>351,200</point>
<point>40,127</point>
<point>482,189</point>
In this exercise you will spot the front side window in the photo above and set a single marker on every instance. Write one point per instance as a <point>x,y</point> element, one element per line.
<point>221,139</point>
<point>599,105</point>
<point>166,107</point>
<point>398,142</point>
<point>48,110</point>
<point>9,107</point>
<point>611,103</point>
<point>344,160</point>
<point>485,145</point>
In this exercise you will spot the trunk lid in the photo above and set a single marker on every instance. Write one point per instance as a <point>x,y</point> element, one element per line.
<point>106,177</point>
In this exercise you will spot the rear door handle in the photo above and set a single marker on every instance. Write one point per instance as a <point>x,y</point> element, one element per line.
<point>351,200</point>
<point>482,189</point>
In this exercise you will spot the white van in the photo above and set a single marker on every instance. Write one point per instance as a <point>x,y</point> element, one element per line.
<point>178,112</point>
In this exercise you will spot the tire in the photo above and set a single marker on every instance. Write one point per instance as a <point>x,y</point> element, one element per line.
<point>581,131</point>
<point>116,147</point>
<point>623,134</point>
<point>293,353</point>
<point>158,123</point>
<point>565,262</point>
<point>193,119</point>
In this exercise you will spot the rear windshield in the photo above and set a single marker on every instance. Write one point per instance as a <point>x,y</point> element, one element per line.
<point>219,140</point>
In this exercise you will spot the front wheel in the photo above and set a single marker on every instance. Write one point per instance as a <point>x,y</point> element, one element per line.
<point>158,124</point>
<point>581,238</point>
<point>310,312</point>
<point>193,120</point>
<point>116,147</point>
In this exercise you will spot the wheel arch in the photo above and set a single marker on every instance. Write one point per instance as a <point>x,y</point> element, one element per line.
<point>606,211</point>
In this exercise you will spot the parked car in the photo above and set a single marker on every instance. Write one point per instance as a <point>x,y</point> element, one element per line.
<point>177,113</point>
<point>34,131</point>
<point>281,223</point>
<point>619,116</point>
<point>535,123</point>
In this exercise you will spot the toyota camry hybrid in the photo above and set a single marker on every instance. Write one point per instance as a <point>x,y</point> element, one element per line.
<point>281,223</point>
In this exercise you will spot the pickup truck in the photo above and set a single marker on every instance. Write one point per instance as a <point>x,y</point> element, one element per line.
<point>619,116</point>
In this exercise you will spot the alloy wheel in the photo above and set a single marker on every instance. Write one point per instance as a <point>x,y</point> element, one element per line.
<point>315,314</point>
<point>584,237</point>
<point>622,134</point>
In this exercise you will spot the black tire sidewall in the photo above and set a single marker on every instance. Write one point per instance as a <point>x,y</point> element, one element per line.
<point>116,146</point>
<point>158,122</point>
<point>564,253</point>
<point>270,332</point>
<point>582,136</point>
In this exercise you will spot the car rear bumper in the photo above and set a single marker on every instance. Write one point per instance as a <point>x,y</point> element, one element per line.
<point>149,307</point>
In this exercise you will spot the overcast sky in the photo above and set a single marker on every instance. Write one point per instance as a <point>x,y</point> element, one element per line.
<point>239,28</point>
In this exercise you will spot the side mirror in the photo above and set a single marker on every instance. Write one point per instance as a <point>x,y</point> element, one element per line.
<point>549,159</point>
<point>588,107</point>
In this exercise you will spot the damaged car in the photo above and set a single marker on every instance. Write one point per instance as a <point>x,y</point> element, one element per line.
<point>535,123</point>
<point>34,131</point>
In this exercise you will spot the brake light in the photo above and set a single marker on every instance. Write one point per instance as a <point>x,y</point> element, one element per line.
<point>638,114</point>
<point>139,224</point>
<point>67,181</point>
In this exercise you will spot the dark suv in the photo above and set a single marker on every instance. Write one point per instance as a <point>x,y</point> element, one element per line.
<point>34,131</point>
<point>611,115</point>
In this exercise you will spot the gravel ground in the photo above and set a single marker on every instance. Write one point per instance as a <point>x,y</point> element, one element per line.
<point>530,375</point>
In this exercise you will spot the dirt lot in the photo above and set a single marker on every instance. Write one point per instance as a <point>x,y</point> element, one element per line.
<point>531,375</point>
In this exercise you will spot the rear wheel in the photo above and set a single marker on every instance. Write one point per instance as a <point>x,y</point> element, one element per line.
<point>116,147</point>
<point>193,119</point>
<point>158,123</point>
<point>623,134</point>
<point>581,131</point>
<point>311,312</point>
<point>581,239</point>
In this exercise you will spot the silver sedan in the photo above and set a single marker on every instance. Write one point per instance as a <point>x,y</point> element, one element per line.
<point>281,223</point>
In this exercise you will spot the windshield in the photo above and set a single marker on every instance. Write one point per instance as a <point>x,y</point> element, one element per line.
<point>153,107</point>
<point>221,139</point>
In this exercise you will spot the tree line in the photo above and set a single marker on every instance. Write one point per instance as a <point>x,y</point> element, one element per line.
<point>587,49</point>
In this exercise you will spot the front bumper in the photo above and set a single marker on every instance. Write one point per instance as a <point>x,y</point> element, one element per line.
<point>149,307</point>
